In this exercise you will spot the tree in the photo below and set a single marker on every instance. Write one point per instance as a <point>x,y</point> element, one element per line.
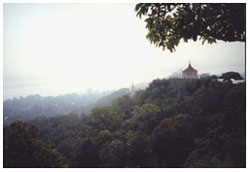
<point>125,105</point>
<point>145,118</point>
<point>105,118</point>
<point>113,154</point>
<point>230,75</point>
<point>87,155</point>
<point>169,23</point>
<point>139,150</point>
<point>172,141</point>
<point>22,148</point>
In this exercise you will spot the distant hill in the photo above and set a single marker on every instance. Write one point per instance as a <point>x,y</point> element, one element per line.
<point>30,107</point>
<point>107,100</point>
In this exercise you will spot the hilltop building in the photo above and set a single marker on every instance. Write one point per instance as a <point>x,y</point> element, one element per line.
<point>190,72</point>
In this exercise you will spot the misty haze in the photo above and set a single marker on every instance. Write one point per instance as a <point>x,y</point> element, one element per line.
<point>124,85</point>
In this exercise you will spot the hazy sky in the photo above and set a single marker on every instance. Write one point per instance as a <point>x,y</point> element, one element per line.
<point>52,49</point>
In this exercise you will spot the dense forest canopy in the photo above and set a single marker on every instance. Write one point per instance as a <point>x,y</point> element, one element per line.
<point>199,123</point>
<point>169,23</point>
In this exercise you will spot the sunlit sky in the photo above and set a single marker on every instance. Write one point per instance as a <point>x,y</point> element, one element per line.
<point>52,49</point>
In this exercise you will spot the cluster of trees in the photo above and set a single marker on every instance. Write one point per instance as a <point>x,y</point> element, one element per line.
<point>201,123</point>
<point>23,148</point>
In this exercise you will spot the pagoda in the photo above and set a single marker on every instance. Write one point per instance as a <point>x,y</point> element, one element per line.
<point>190,72</point>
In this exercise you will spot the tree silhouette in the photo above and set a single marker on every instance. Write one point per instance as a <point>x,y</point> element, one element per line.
<point>169,23</point>
<point>230,75</point>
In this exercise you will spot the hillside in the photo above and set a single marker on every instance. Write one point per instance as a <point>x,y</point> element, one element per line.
<point>201,123</point>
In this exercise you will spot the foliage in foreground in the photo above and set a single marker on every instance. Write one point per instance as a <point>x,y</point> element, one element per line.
<point>23,148</point>
<point>169,23</point>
